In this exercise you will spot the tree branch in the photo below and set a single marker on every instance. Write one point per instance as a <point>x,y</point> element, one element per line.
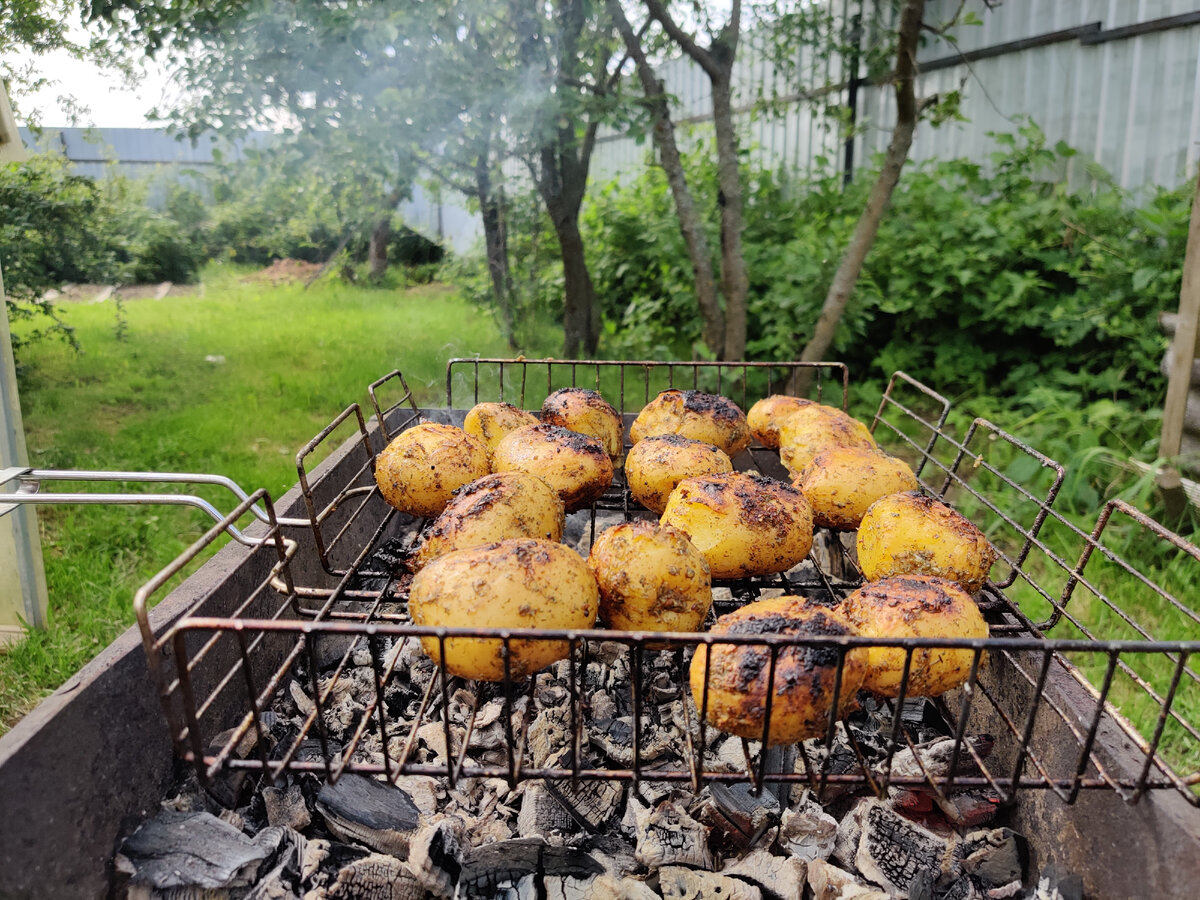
<point>681,37</point>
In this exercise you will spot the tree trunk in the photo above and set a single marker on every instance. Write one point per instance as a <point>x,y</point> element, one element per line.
<point>581,320</point>
<point>851,265</point>
<point>377,249</point>
<point>496,248</point>
<point>735,284</point>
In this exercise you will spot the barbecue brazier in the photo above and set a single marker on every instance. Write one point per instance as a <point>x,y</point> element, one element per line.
<point>1090,792</point>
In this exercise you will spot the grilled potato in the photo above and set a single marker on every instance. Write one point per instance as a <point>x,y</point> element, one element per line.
<point>490,422</point>
<point>813,428</point>
<point>911,534</point>
<point>693,414</point>
<point>651,578</point>
<point>574,464</point>
<point>510,584</point>
<point>422,467</point>
<point>579,409</point>
<point>908,606</point>
<point>742,524</point>
<point>842,482</point>
<point>657,464</point>
<point>765,416</point>
<point>493,508</point>
<point>805,676</point>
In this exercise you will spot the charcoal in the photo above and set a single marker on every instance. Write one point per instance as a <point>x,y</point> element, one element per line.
<point>934,759</point>
<point>892,850</point>
<point>807,832</point>
<point>679,883</point>
<point>776,876</point>
<point>374,877</point>
<point>285,806</point>
<point>667,835</point>
<point>591,803</point>
<point>283,881</point>
<point>828,882</point>
<point>374,813</point>
<point>993,857</point>
<point>438,851</point>
<point>542,814</point>
<point>614,737</point>
<point>1055,884</point>
<point>740,815</point>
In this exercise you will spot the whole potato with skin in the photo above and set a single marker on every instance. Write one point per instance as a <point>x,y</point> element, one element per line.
<point>579,409</point>
<point>813,428</point>
<point>907,606</point>
<point>765,416</point>
<point>657,464</point>
<point>651,578</point>
<point>493,508</point>
<point>573,464</point>
<point>842,482</point>
<point>490,422</point>
<point>694,414</point>
<point>911,534</point>
<point>509,584</point>
<point>743,524</point>
<point>805,676</point>
<point>422,467</point>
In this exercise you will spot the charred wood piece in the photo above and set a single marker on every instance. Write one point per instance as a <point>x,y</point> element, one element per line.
<point>370,812</point>
<point>667,835</point>
<point>679,883</point>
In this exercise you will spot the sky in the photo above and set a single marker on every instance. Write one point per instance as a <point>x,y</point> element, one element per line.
<point>111,104</point>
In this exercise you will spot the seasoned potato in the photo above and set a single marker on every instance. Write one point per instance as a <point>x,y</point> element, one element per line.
<point>422,467</point>
<point>579,409</point>
<point>490,422</point>
<point>911,534</point>
<point>805,676</point>
<point>651,578</point>
<point>573,464</point>
<point>909,606</point>
<point>493,508</point>
<point>509,584</point>
<point>702,417</point>
<point>657,464</point>
<point>743,524</point>
<point>813,428</point>
<point>765,416</point>
<point>842,482</point>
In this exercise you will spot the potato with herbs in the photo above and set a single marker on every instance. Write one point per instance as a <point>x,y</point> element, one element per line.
<point>802,692</point>
<point>766,416</point>
<point>490,422</point>
<point>841,483</point>
<point>490,509</point>
<point>743,524</point>
<point>911,534</point>
<point>694,414</point>
<point>511,584</point>
<point>422,467</point>
<point>579,409</point>
<point>651,578</point>
<point>813,428</point>
<point>657,464</point>
<point>575,465</point>
<point>915,606</point>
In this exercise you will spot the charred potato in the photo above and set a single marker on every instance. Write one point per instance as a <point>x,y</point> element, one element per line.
<point>805,676</point>
<point>579,409</point>
<point>915,606</point>
<point>490,509</point>
<point>703,417</point>
<point>422,467</point>
<point>743,524</point>
<point>510,584</point>
<point>765,416</point>
<point>657,464</point>
<point>575,465</point>
<point>651,578</point>
<point>813,428</point>
<point>911,534</point>
<point>842,482</point>
<point>490,422</point>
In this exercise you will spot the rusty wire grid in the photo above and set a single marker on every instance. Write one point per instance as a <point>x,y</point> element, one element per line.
<point>208,665</point>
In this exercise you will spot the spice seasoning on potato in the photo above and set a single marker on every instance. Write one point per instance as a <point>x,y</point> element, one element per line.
<point>743,524</point>
<point>802,691</point>
<point>490,422</point>
<point>841,483</point>
<point>813,428</point>
<point>422,467</point>
<point>915,606</point>
<point>587,412</point>
<point>493,508</point>
<point>509,584</point>
<point>651,578</point>
<point>574,464</point>
<point>704,417</point>
<point>766,416</point>
<point>911,534</point>
<point>656,465</point>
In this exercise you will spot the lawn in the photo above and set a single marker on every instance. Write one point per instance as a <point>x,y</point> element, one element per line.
<point>233,379</point>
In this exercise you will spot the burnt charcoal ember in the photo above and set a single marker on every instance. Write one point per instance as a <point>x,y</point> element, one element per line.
<point>961,809</point>
<point>775,876</point>
<point>994,857</point>
<point>591,803</point>
<point>230,786</point>
<point>740,816</point>
<point>935,759</point>
<point>678,883</point>
<point>438,851</point>
<point>1054,884</point>
<point>828,882</point>
<point>373,813</point>
<point>807,832</point>
<point>490,870</point>
<point>667,835</point>
<point>286,806</point>
<point>389,561</point>
<point>374,877</point>
<point>614,737</point>
<point>542,815</point>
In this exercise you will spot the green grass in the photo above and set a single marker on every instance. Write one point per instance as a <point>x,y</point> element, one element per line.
<point>293,359</point>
